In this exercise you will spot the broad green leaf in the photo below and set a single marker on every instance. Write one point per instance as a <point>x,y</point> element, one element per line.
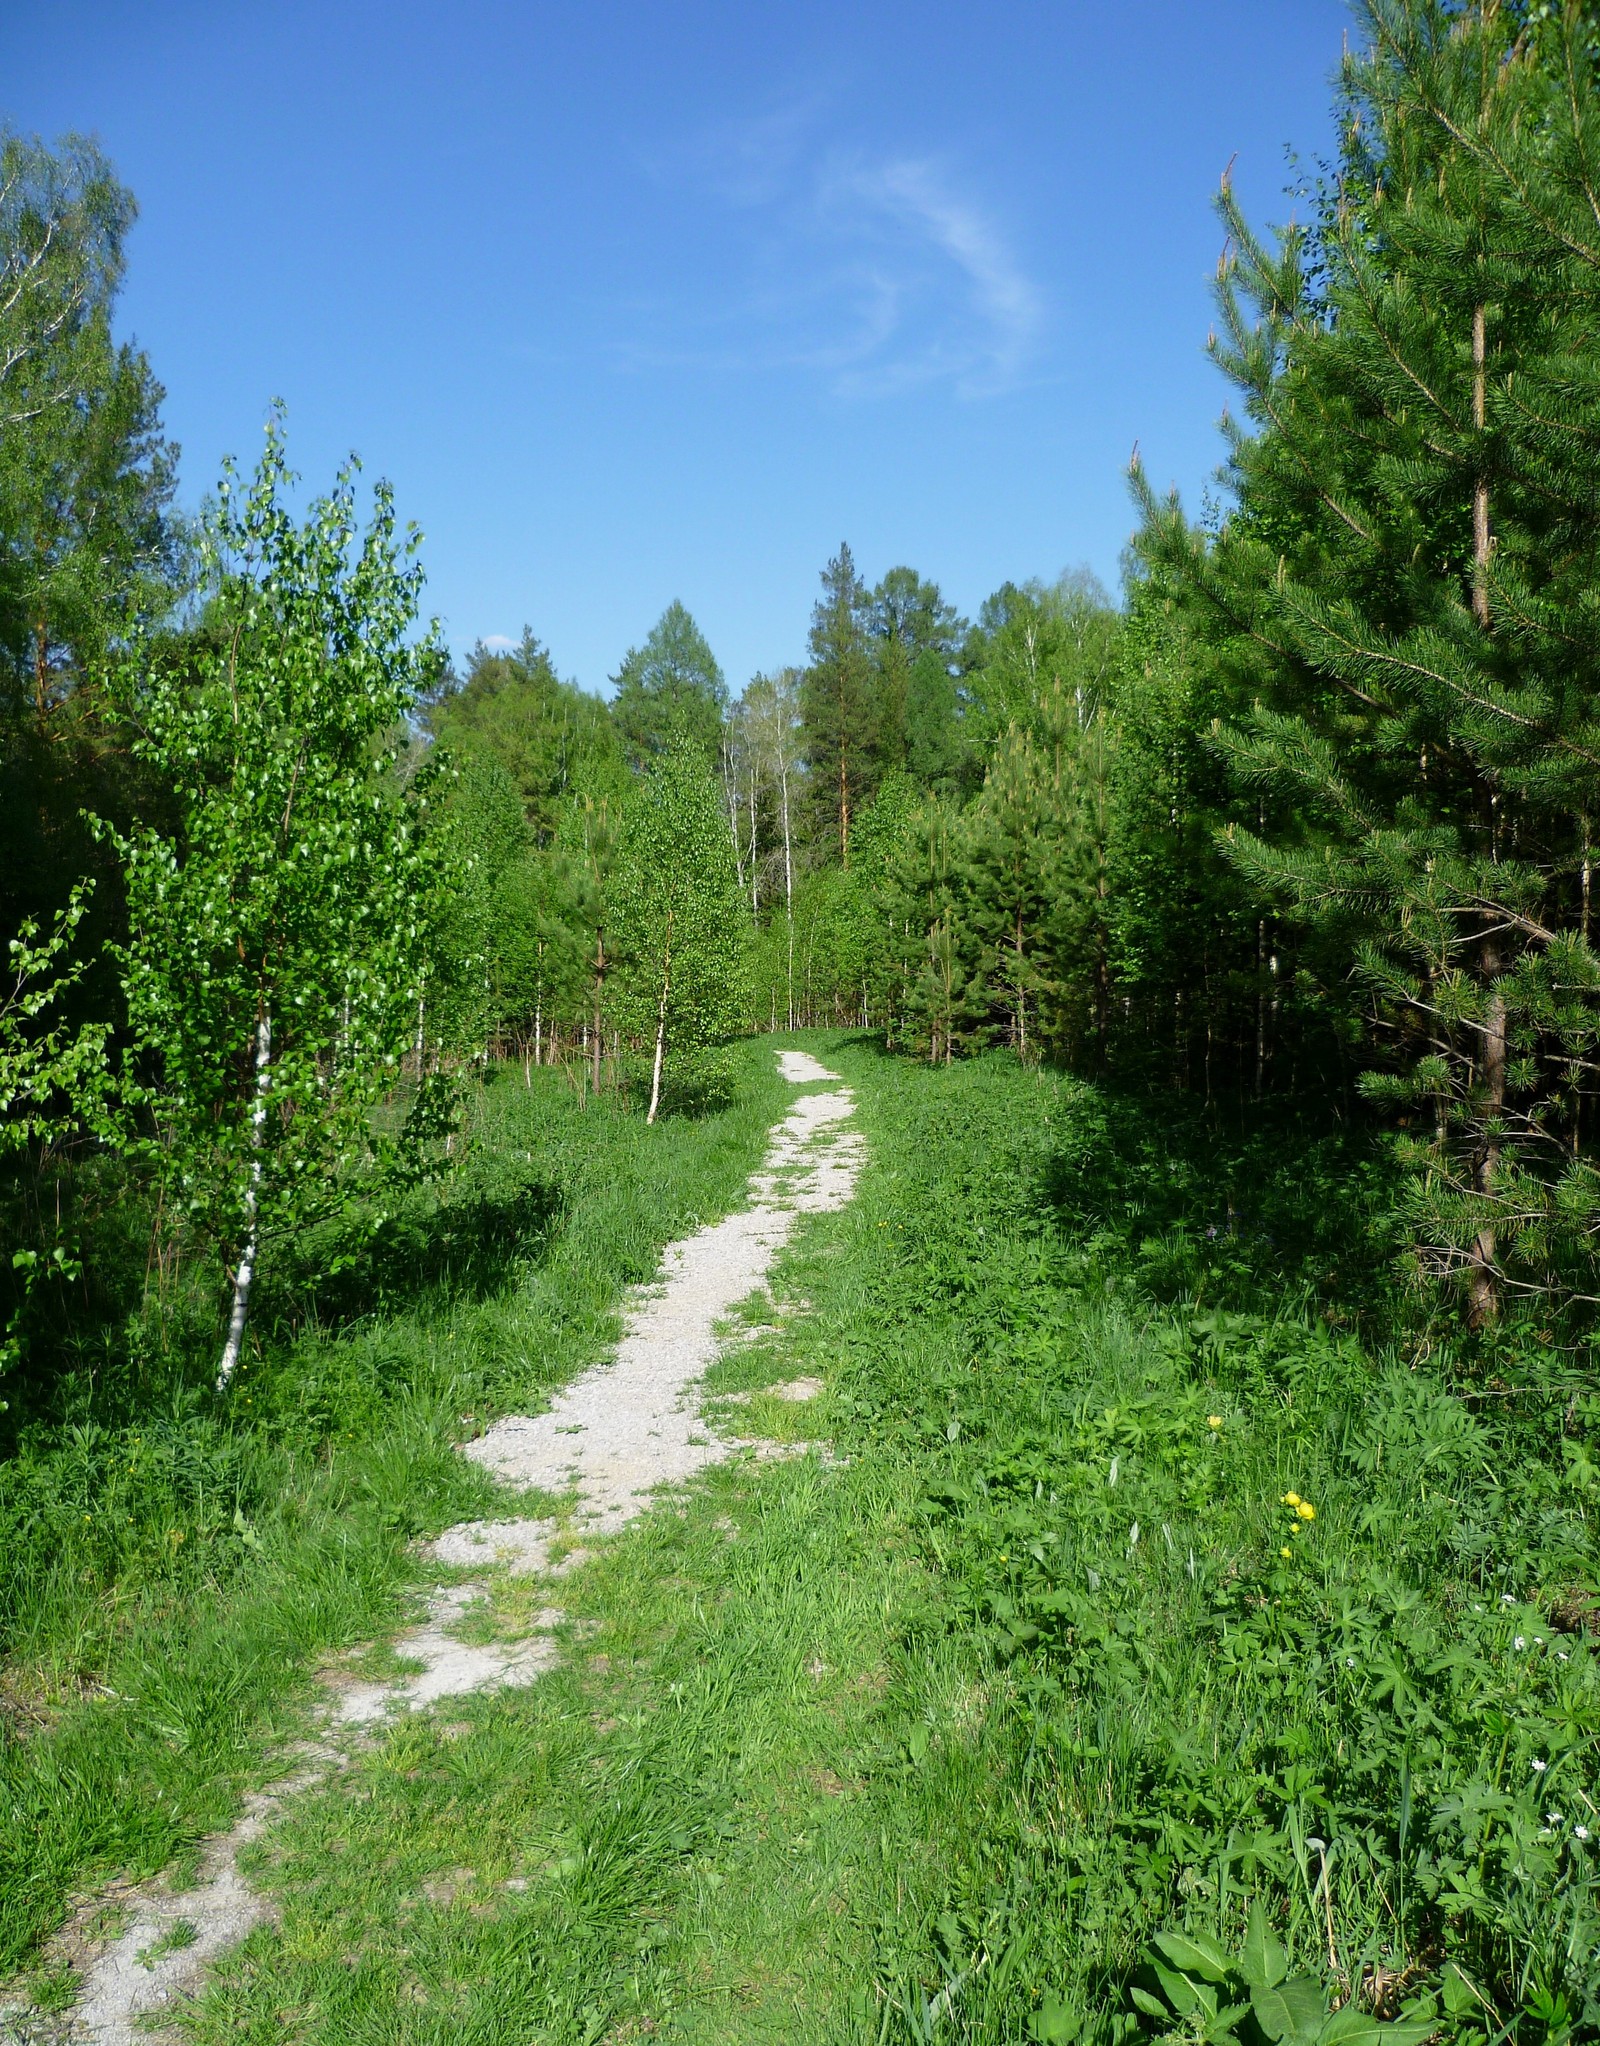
<point>1179,1991</point>
<point>1292,2013</point>
<point>1265,1963</point>
<point>1351,2026</point>
<point>1196,1953</point>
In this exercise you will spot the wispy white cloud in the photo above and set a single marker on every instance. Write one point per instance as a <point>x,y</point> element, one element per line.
<point>969,311</point>
<point>877,273</point>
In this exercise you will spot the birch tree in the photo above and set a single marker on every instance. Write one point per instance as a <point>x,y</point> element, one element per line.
<point>771,713</point>
<point>277,934</point>
<point>680,925</point>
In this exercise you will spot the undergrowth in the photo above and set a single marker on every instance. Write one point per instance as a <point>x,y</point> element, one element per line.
<point>1265,1615</point>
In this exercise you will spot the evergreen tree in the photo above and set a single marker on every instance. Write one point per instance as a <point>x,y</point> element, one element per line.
<point>1402,606</point>
<point>837,707</point>
<point>670,692</point>
<point>930,941</point>
<point>919,638</point>
<point>549,736</point>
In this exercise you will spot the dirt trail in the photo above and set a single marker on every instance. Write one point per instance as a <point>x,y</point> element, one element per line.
<point>610,1439</point>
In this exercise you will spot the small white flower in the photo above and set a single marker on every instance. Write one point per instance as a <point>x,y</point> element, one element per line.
<point>1555,1818</point>
<point>1538,1641</point>
<point>1561,1655</point>
<point>1539,1767</point>
<point>1506,1599</point>
<point>1349,1662</point>
<point>1519,1644</point>
<point>1477,1609</point>
<point>1580,1832</point>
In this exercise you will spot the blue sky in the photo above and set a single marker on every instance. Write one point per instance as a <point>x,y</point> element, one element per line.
<point>643,301</point>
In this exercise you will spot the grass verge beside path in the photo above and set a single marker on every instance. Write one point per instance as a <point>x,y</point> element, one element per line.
<point>1113,1621</point>
<point>1125,1622</point>
<point>1265,1637</point>
<point>172,1566</point>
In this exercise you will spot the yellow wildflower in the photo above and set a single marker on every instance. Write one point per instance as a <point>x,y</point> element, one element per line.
<point>1291,1498</point>
<point>1306,1510</point>
<point>1286,1554</point>
<point>1213,1420</point>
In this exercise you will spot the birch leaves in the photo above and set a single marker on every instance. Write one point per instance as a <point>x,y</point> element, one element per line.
<point>278,922</point>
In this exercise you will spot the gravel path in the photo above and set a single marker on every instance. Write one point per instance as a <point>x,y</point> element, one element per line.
<point>611,1438</point>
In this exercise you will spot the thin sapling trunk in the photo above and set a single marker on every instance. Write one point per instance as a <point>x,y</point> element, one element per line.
<point>661,1025</point>
<point>246,1272</point>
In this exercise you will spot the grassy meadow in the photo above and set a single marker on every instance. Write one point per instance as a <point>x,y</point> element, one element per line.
<point>1141,1615</point>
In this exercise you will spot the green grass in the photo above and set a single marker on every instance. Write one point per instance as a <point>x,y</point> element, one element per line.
<point>931,1737</point>
<point>172,1567</point>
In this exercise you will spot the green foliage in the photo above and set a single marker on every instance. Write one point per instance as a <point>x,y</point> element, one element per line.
<point>51,1078</point>
<point>1271,1630</point>
<point>1394,612</point>
<point>676,917</point>
<point>277,935</point>
<point>670,693</point>
<point>86,477</point>
<point>551,738</point>
<point>1200,1991</point>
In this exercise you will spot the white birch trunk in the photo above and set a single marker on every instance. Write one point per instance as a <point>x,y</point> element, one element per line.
<point>788,874</point>
<point>245,1275</point>
<point>661,1027</point>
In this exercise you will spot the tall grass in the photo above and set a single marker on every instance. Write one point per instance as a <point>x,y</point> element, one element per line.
<point>1255,1610</point>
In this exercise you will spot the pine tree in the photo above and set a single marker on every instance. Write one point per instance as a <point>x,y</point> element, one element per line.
<point>670,692</point>
<point>550,736</point>
<point>1403,608</point>
<point>837,707</point>
<point>1012,878</point>
<point>918,638</point>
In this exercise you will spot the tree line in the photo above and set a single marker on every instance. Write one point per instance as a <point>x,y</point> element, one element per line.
<point>1306,813</point>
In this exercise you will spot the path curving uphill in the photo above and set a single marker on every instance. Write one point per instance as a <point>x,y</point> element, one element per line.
<point>611,1439</point>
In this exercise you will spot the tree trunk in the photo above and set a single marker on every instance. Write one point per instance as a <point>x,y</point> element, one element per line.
<point>844,777</point>
<point>599,989</point>
<point>41,669</point>
<point>788,877</point>
<point>1482,544</point>
<point>755,871</point>
<point>1022,999</point>
<point>246,1272</point>
<point>661,1026</point>
<point>1483,1293</point>
<point>1483,1298</point>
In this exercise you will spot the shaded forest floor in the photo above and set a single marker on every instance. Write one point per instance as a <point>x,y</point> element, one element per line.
<point>926,1737</point>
